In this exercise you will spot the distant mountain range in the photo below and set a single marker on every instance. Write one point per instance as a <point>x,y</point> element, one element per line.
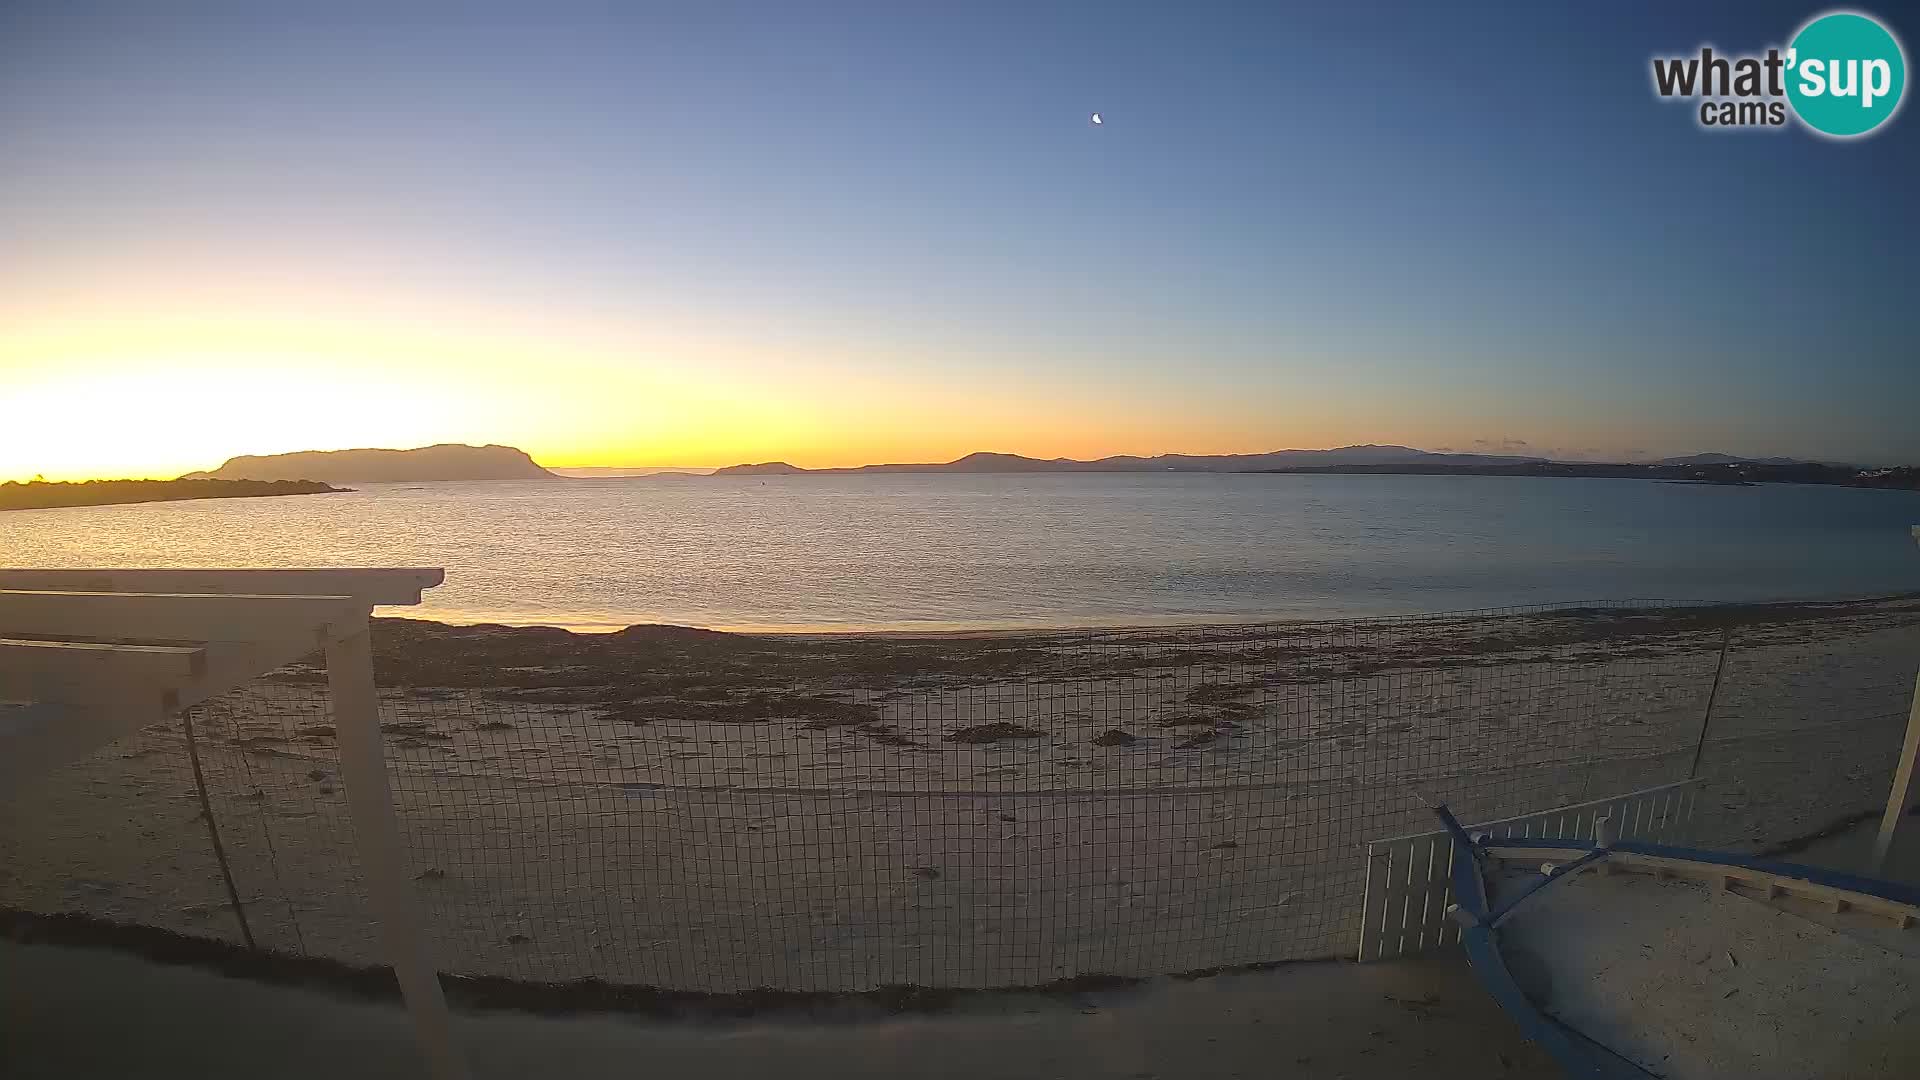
<point>1369,454</point>
<point>1715,469</point>
<point>447,461</point>
<point>1733,473</point>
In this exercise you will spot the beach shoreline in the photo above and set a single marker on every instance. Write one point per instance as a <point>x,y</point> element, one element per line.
<point>935,630</point>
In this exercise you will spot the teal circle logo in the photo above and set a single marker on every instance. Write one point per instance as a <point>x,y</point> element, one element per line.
<point>1846,74</point>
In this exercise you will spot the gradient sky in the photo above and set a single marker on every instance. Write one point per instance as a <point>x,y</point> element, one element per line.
<point>701,234</point>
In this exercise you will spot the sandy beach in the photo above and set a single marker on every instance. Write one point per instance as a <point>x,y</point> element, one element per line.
<point>703,811</point>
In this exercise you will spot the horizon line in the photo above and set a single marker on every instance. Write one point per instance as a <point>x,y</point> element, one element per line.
<point>1547,455</point>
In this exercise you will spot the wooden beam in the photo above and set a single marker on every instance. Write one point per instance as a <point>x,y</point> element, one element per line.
<point>230,666</point>
<point>356,717</point>
<point>73,660</point>
<point>90,718</point>
<point>169,617</point>
<point>1898,816</point>
<point>385,586</point>
<point>76,673</point>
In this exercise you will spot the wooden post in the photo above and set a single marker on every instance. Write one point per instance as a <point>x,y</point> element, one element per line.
<point>1906,781</point>
<point>1906,789</point>
<point>356,717</point>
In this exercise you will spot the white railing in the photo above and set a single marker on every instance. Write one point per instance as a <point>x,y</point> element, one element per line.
<point>1409,885</point>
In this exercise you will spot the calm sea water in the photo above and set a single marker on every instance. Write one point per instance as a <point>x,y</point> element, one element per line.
<point>934,551</point>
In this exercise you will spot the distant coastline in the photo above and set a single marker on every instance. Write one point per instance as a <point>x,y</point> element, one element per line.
<point>618,472</point>
<point>41,495</point>
<point>1740,474</point>
<point>457,462</point>
<point>1718,470</point>
<point>984,462</point>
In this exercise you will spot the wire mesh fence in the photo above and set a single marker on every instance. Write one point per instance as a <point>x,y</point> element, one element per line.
<point>695,811</point>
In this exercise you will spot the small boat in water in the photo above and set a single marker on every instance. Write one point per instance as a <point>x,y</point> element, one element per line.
<point>1628,959</point>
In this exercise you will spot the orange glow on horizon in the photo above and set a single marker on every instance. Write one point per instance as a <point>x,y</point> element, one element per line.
<point>176,383</point>
<point>160,390</point>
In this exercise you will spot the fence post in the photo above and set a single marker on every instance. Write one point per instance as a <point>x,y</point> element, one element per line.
<point>1906,785</point>
<point>1706,720</point>
<point>356,717</point>
<point>1906,788</point>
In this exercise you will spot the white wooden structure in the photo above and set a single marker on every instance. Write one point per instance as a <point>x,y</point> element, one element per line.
<point>1409,884</point>
<point>88,656</point>
<point>1897,819</point>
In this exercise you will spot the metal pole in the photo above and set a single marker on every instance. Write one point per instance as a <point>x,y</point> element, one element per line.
<point>213,830</point>
<point>1719,669</point>
<point>1906,782</point>
<point>356,717</point>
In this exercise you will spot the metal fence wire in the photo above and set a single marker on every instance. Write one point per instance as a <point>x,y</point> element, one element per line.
<point>711,812</point>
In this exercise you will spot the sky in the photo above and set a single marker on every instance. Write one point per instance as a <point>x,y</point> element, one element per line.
<point>703,234</point>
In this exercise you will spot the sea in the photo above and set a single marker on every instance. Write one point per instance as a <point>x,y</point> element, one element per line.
<point>956,552</point>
